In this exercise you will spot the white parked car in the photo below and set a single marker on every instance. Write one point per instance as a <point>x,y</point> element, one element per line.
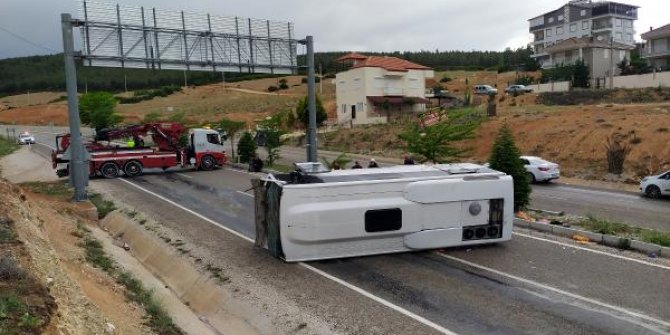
<point>485,89</point>
<point>656,186</point>
<point>26,138</point>
<point>518,89</point>
<point>540,170</point>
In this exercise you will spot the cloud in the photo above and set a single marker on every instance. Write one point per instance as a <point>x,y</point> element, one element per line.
<point>370,25</point>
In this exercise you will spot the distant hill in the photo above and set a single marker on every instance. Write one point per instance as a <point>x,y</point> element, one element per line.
<point>46,73</point>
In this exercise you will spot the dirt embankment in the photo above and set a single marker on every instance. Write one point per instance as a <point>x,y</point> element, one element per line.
<point>86,300</point>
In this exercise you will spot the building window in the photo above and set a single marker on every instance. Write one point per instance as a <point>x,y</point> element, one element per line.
<point>585,25</point>
<point>559,30</point>
<point>560,18</point>
<point>629,37</point>
<point>622,54</point>
<point>357,83</point>
<point>617,22</point>
<point>413,83</point>
<point>606,53</point>
<point>549,32</point>
<point>582,12</point>
<point>629,24</point>
<point>573,27</point>
<point>551,20</point>
<point>619,36</point>
<point>344,108</point>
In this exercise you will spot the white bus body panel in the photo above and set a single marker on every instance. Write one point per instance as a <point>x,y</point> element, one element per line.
<point>327,220</point>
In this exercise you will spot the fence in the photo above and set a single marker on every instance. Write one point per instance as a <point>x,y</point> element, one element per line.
<point>643,80</point>
<point>558,86</point>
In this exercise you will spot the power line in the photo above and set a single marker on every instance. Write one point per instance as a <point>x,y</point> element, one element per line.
<point>26,40</point>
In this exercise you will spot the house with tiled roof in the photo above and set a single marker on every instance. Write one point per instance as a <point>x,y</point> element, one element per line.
<point>657,47</point>
<point>378,88</point>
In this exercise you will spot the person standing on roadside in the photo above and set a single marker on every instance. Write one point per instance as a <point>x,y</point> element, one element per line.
<point>373,163</point>
<point>357,165</point>
<point>409,160</point>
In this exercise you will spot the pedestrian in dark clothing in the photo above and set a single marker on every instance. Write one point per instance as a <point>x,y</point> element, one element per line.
<point>373,163</point>
<point>256,164</point>
<point>409,160</point>
<point>357,165</point>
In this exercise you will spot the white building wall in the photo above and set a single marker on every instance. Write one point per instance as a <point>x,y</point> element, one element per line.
<point>355,85</point>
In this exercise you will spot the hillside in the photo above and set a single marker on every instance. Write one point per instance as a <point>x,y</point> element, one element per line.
<point>570,135</point>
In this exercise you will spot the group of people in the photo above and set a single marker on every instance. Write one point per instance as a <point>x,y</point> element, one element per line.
<point>373,163</point>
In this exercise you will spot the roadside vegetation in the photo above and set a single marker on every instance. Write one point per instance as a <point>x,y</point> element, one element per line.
<point>157,317</point>
<point>104,206</point>
<point>609,227</point>
<point>25,305</point>
<point>505,157</point>
<point>58,189</point>
<point>7,146</point>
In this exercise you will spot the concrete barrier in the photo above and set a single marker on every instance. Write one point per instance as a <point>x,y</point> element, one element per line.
<point>608,240</point>
<point>198,290</point>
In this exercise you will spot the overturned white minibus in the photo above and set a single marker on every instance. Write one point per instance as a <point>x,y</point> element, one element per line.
<point>313,214</point>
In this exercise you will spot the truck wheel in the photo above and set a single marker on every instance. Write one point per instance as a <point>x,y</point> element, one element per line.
<point>132,169</point>
<point>207,163</point>
<point>109,170</point>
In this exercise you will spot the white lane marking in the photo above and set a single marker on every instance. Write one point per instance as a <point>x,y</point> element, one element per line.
<point>245,193</point>
<point>234,232</point>
<point>306,266</point>
<point>593,250</point>
<point>380,300</point>
<point>184,175</point>
<point>242,171</point>
<point>561,292</point>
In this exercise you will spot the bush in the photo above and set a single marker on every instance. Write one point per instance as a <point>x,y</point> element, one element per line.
<point>283,84</point>
<point>316,79</point>
<point>9,270</point>
<point>273,88</point>
<point>445,79</point>
<point>616,153</point>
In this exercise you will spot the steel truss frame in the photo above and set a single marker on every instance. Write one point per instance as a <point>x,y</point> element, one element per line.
<point>135,37</point>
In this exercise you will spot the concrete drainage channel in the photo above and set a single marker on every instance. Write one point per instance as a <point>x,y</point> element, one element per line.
<point>198,291</point>
<point>604,239</point>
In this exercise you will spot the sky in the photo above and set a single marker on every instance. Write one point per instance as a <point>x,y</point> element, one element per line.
<point>32,27</point>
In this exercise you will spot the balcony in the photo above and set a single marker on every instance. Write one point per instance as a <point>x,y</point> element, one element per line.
<point>393,91</point>
<point>655,53</point>
<point>601,26</point>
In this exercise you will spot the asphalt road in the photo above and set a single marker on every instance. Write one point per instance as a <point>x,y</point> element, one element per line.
<point>526,286</point>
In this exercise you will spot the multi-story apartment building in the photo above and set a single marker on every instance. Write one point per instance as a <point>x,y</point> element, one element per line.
<point>656,48</point>
<point>377,88</point>
<point>585,29</point>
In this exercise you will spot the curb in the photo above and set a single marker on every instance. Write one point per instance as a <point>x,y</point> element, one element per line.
<point>604,239</point>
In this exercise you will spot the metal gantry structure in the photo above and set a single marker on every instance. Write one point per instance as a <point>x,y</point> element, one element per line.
<point>136,37</point>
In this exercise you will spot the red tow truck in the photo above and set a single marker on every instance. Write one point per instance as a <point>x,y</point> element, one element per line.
<point>171,145</point>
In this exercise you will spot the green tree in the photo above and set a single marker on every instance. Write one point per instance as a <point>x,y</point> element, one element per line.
<point>302,112</point>
<point>246,148</point>
<point>231,128</point>
<point>97,110</point>
<point>581,75</point>
<point>435,143</point>
<point>283,84</point>
<point>340,161</point>
<point>273,134</point>
<point>505,157</point>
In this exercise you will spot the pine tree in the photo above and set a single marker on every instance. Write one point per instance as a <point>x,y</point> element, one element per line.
<point>246,148</point>
<point>505,157</point>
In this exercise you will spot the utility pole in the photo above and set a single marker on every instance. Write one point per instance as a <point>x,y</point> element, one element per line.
<point>320,78</point>
<point>185,80</point>
<point>311,102</point>
<point>78,168</point>
<point>611,62</point>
